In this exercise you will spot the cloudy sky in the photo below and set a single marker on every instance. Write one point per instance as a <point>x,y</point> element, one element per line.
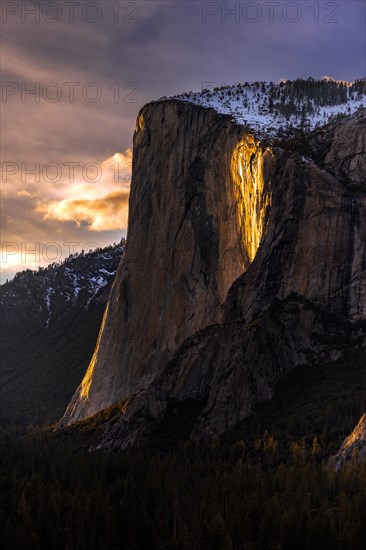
<point>75,74</point>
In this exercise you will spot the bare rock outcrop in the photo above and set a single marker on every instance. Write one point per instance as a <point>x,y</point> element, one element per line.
<point>341,148</point>
<point>353,447</point>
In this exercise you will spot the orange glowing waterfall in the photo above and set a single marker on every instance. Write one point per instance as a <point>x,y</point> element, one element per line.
<point>250,191</point>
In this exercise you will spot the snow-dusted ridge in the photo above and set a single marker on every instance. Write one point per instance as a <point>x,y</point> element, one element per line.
<point>272,109</point>
<point>76,282</point>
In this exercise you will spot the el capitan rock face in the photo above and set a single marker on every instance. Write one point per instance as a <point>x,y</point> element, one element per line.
<point>189,238</point>
<point>243,261</point>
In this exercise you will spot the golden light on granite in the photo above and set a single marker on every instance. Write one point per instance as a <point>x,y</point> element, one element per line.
<point>253,199</point>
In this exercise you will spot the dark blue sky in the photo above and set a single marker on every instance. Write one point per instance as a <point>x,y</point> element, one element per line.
<point>145,50</point>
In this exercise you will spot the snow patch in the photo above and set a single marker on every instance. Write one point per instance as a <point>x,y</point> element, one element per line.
<point>270,109</point>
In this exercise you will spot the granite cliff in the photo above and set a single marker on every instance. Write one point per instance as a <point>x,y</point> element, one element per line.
<point>194,227</point>
<point>243,260</point>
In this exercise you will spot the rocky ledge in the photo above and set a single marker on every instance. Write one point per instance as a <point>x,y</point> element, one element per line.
<point>353,447</point>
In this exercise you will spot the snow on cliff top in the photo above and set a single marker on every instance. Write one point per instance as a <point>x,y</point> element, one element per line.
<point>271,109</point>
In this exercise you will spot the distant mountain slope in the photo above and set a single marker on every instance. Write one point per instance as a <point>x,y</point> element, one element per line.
<point>273,109</point>
<point>49,324</point>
